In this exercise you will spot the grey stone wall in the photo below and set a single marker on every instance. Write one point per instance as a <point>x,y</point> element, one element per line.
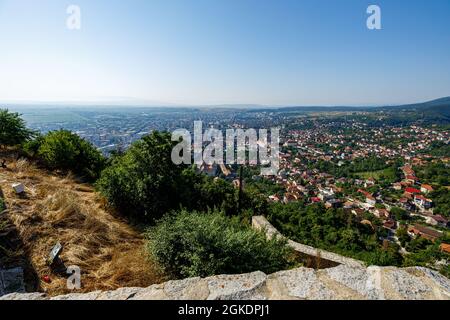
<point>339,283</point>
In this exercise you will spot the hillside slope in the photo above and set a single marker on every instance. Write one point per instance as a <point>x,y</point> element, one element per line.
<point>436,110</point>
<point>54,208</point>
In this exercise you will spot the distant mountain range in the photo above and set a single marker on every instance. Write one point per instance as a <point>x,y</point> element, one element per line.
<point>436,108</point>
<point>442,104</point>
<point>439,106</point>
<point>430,112</point>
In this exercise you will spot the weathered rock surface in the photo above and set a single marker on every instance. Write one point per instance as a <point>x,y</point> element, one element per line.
<point>339,283</point>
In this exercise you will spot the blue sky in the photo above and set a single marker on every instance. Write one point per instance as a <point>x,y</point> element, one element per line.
<point>280,52</point>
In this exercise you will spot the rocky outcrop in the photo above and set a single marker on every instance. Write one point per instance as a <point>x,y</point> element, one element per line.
<point>343,282</point>
<point>327,258</point>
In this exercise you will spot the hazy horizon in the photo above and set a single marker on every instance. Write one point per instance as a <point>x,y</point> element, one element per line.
<point>142,104</point>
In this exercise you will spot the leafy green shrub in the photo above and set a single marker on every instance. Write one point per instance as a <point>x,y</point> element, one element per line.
<point>202,244</point>
<point>201,192</point>
<point>31,147</point>
<point>144,181</point>
<point>13,130</point>
<point>65,150</point>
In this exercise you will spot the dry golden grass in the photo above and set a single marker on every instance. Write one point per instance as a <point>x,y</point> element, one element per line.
<point>109,252</point>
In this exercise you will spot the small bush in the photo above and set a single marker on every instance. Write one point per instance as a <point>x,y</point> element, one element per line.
<point>196,244</point>
<point>144,181</point>
<point>31,147</point>
<point>67,151</point>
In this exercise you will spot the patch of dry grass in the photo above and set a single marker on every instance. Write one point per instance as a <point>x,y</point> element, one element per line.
<point>109,252</point>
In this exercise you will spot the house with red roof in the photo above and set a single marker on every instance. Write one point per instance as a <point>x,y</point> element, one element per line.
<point>411,190</point>
<point>365,193</point>
<point>437,220</point>
<point>426,188</point>
<point>411,179</point>
<point>390,224</point>
<point>424,232</point>
<point>315,200</point>
<point>408,171</point>
<point>445,247</point>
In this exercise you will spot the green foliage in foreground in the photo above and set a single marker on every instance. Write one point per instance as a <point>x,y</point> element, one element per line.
<point>65,150</point>
<point>13,130</point>
<point>144,183</point>
<point>190,244</point>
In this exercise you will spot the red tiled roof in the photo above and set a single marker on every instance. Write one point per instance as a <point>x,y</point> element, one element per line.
<point>364,192</point>
<point>418,196</point>
<point>431,233</point>
<point>408,170</point>
<point>440,218</point>
<point>412,190</point>
<point>445,247</point>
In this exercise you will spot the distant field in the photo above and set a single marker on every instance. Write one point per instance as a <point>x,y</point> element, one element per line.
<point>49,115</point>
<point>371,174</point>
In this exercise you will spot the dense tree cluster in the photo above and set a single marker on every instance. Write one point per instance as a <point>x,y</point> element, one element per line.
<point>334,230</point>
<point>341,232</point>
<point>145,183</point>
<point>441,201</point>
<point>389,171</point>
<point>437,173</point>
<point>438,149</point>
